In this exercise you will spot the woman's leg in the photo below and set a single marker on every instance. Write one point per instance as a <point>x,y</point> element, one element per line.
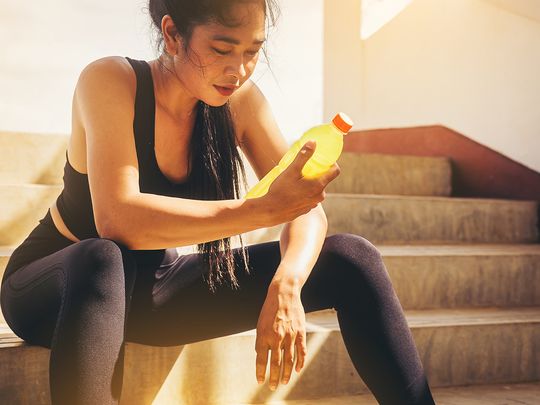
<point>371,319</point>
<point>74,301</point>
<point>173,306</point>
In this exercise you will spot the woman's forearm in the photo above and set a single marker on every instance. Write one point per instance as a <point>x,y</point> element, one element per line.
<point>150,221</point>
<point>301,242</point>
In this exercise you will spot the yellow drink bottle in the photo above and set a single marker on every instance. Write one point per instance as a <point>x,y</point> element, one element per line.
<point>329,138</point>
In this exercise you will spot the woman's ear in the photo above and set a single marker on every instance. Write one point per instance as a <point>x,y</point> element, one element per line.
<point>171,37</point>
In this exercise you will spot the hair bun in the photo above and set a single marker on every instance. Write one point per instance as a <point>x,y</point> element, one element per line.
<point>157,9</point>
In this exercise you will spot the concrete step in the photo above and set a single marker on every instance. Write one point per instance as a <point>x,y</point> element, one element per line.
<point>405,219</point>
<point>493,394</point>
<point>459,276</point>
<point>5,253</point>
<point>451,276</point>
<point>387,174</point>
<point>380,219</point>
<point>457,347</point>
<point>21,207</point>
<point>32,158</point>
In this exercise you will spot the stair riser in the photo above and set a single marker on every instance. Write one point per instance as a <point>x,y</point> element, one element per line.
<point>26,381</point>
<point>483,354</point>
<point>3,263</point>
<point>451,356</point>
<point>380,220</point>
<point>465,281</point>
<point>395,221</point>
<point>21,207</point>
<point>32,158</point>
<point>392,175</point>
<point>40,159</point>
<point>384,174</point>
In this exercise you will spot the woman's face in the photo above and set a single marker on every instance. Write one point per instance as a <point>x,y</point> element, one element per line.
<point>219,59</point>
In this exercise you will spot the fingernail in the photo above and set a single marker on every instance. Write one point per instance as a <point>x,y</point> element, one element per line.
<point>285,381</point>
<point>273,387</point>
<point>260,382</point>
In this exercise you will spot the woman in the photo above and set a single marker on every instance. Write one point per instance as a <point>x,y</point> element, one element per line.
<point>152,164</point>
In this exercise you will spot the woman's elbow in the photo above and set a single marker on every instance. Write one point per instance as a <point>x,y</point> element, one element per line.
<point>107,229</point>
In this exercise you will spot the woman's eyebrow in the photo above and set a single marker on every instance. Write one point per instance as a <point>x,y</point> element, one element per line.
<point>234,41</point>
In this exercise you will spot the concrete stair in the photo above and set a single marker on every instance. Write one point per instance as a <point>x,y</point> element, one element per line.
<point>376,174</point>
<point>32,158</point>
<point>448,341</point>
<point>493,394</point>
<point>466,271</point>
<point>381,219</point>
<point>409,220</point>
<point>21,207</point>
<point>391,219</point>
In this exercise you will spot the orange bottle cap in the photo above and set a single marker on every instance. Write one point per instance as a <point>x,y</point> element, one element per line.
<point>343,122</point>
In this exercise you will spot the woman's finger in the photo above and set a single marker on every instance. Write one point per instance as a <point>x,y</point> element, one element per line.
<point>275,366</point>
<point>260,364</point>
<point>288,359</point>
<point>301,350</point>
<point>331,174</point>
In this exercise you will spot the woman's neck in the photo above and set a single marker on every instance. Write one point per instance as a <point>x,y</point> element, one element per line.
<point>170,94</point>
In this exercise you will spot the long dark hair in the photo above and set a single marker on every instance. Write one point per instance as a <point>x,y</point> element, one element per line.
<point>216,165</point>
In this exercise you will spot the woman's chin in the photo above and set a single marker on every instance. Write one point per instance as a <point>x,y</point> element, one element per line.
<point>213,102</point>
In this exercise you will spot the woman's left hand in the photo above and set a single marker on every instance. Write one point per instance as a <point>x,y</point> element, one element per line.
<point>281,325</point>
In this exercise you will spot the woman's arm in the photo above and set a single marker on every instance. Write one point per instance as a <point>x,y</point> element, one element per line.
<point>300,244</point>
<point>104,101</point>
<point>281,323</point>
<point>264,145</point>
<point>150,221</point>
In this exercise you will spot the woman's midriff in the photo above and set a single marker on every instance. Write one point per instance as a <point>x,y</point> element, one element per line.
<point>60,225</point>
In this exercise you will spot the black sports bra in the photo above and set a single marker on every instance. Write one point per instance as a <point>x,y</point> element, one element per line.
<point>74,202</point>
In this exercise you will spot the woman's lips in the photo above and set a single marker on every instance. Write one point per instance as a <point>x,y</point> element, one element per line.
<point>225,91</point>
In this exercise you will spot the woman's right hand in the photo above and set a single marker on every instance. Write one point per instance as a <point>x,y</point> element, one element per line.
<point>291,194</point>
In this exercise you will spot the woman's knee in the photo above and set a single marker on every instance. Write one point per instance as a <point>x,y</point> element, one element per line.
<point>352,248</point>
<point>103,251</point>
<point>101,263</point>
<point>356,259</point>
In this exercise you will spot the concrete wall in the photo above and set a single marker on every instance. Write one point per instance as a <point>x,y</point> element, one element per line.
<point>45,45</point>
<point>471,65</point>
<point>468,64</point>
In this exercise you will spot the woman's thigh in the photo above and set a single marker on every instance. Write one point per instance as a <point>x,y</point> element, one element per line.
<point>173,305</point>
<point>33,295</point>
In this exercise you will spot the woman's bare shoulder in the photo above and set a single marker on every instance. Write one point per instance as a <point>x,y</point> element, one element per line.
<point>111,64</point>
<point>110,74</point>
<point>107,70</point>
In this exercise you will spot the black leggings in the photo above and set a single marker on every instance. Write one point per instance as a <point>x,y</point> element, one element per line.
<point>84,300</point>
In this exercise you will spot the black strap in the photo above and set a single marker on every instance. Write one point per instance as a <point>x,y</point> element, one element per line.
<point>144,121</point>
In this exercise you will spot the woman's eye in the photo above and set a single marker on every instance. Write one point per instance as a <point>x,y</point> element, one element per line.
<point>219,52</point>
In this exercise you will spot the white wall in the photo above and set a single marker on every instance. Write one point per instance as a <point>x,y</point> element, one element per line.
<point>468,64</point>
<point>45,45</point>
<point>296,59</point>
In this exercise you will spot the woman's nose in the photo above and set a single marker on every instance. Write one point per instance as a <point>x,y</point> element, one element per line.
<point>237,68</point>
